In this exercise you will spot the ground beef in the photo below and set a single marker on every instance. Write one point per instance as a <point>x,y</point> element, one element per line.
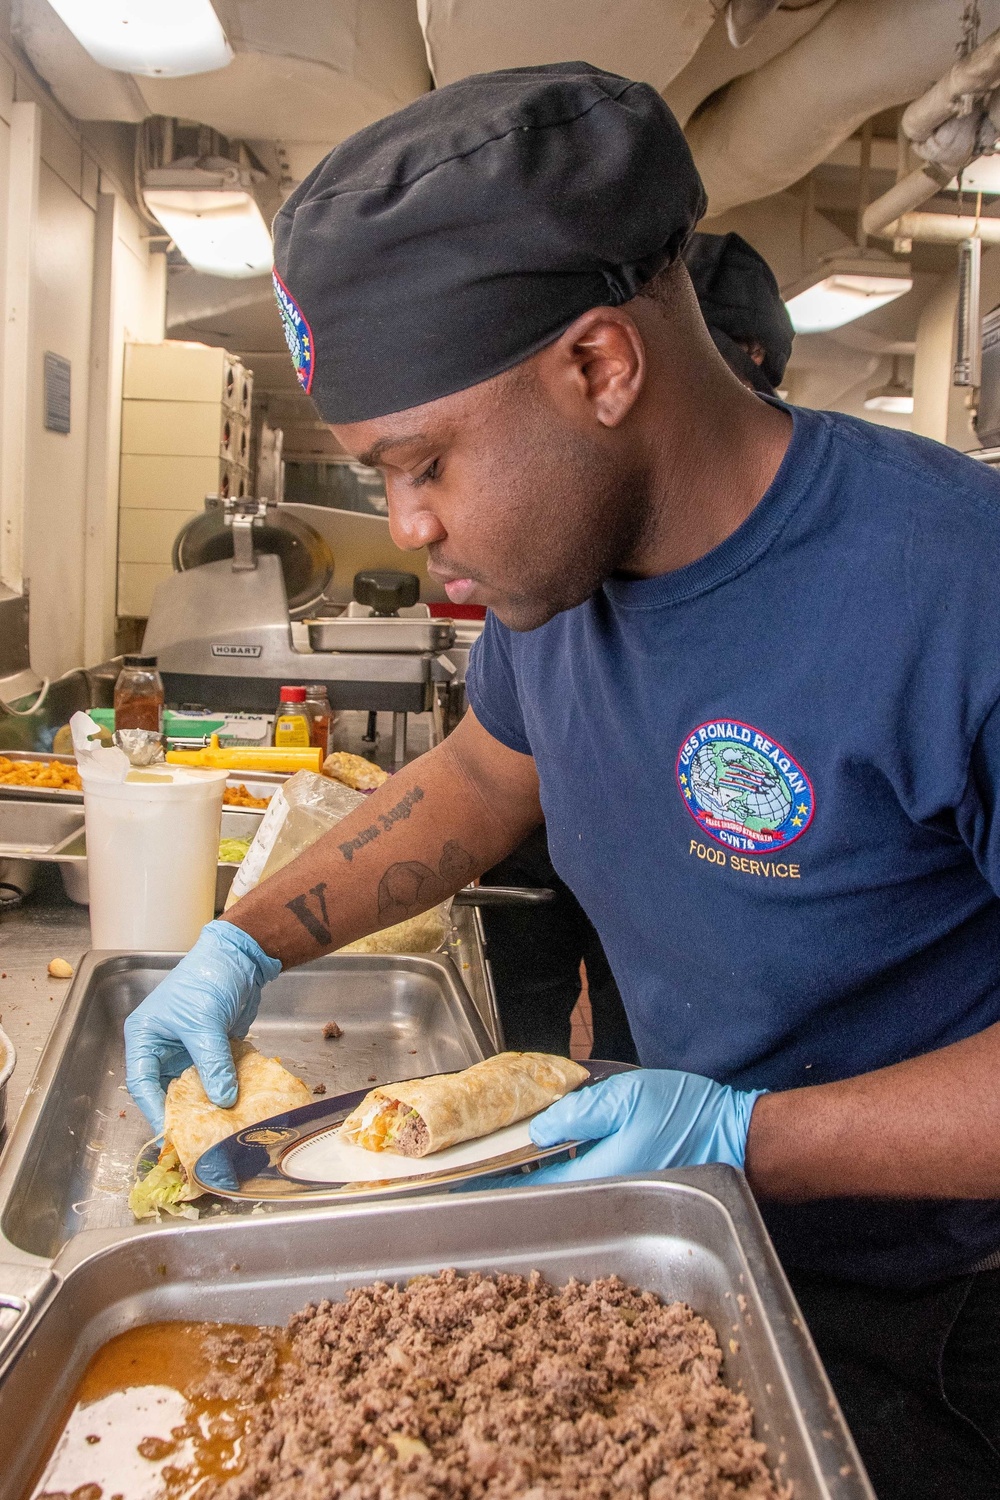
<point>412,1137</point>
<point>484,1388</point>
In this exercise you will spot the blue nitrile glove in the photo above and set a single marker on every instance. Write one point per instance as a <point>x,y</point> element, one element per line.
<point>211,995</point>
<point>645,1120</point>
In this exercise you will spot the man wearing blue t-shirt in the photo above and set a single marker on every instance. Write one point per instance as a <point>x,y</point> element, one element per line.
<point>744,659</point>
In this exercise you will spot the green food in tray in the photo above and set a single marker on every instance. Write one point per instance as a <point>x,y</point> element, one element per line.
<point>233,851</point>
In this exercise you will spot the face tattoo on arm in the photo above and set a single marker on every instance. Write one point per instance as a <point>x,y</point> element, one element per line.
<point>410,887</point>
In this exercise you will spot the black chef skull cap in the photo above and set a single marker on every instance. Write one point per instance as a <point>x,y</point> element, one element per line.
<point>455,238</point>
<point>740,300</point>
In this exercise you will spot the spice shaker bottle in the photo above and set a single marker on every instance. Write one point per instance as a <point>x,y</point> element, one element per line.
<point>139,695</point>
<point>318,704</point>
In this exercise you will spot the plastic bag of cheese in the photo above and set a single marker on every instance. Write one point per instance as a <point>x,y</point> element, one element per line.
<point>300,812</point>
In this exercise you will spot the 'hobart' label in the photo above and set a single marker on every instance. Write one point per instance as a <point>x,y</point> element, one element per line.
<point>237,650</point>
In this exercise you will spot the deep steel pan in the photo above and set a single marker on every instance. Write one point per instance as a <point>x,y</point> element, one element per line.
<point>694,1236</point>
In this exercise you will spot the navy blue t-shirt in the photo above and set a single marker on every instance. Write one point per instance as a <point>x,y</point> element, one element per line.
<point>770,778</point>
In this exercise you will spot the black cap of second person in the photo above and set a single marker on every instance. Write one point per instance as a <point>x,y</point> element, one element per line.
<point>740,299</point>
<point>457,237</point>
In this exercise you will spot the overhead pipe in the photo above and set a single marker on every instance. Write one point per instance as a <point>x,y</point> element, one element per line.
<point>741,139</point>
<point>907,194</point>
<point>969,78</point>
<point>943,229</point>
<point>950,99</point>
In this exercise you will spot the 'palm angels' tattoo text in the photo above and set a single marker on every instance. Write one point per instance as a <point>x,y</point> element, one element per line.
<point>383,823</point>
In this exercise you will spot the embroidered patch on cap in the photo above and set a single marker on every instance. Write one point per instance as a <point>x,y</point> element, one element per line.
<point>298,334</point>
<point>743,789</point>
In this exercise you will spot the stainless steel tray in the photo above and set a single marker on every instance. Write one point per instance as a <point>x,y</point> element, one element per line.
<point>36,822</point>
<point>260,783</point>
<point>375,633</point>
<point>31,832</point>
<point>71,856</point>
<point>37,793</point>
<point>70,1160</point>
<point>694,1236</point>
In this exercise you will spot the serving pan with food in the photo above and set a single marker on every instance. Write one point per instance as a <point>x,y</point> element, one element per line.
<point>340,1024</point>
<point>33,776</point>
<point>621,1338</point>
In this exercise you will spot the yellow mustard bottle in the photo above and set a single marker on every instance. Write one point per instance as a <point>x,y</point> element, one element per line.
<point>293,721</point>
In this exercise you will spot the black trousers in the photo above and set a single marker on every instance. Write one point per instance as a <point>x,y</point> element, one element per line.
<point>535,956</point>
<point>918,1377</point>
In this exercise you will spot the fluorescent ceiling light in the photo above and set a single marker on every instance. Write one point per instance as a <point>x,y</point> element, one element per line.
<point>842,289</point>
<point>837,300</point>
<point>980,176</point>
<point>158,38</point>
<point>894,396</point>
<point>222,233</point>
<point>885,399</point>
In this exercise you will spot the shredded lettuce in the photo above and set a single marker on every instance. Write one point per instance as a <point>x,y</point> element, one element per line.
<point>163,1189</point>
<point>233,851</point>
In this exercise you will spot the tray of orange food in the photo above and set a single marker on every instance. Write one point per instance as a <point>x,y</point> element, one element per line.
<point>29,775</point>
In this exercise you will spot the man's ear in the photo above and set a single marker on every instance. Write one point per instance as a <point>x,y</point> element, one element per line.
<point>595,371</point>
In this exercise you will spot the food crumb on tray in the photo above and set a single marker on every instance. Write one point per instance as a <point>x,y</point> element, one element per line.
<point>481,1386</point>
<point>332,1031</point>
<point>60,969</point>
<point>319,1088</point>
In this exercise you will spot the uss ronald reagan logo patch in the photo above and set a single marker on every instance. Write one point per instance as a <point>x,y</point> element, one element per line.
<point>743,789</point>
<point>298,334</point>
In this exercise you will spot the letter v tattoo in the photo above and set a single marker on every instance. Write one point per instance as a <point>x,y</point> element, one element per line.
<point>299,907</point>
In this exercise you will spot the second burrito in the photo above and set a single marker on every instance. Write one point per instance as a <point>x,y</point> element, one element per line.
<point>428,1114</point>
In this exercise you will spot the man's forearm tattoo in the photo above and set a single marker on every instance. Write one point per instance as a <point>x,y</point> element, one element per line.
<point>409,886</point>
<point>310,909</point>
<point>383,823</point>
<point>406,888</point>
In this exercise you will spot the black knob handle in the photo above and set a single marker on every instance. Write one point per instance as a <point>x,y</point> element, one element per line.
<point>386,592</point>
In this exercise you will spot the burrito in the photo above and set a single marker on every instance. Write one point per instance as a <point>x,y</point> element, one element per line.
<point>192,1123</point>
<point>428,1114</point>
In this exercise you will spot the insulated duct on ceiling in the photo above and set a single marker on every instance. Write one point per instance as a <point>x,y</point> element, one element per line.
<point>718,62</point>
<point>651,40</point>
<point>769,128</point>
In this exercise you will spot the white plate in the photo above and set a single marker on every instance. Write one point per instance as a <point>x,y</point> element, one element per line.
<point>329,1158</point>
<point>300,1156</point>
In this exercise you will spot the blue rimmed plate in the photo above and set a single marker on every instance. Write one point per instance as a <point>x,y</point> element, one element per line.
<point>299,1157</point>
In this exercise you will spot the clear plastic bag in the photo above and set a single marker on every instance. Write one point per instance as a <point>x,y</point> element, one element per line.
<point>300,812</point>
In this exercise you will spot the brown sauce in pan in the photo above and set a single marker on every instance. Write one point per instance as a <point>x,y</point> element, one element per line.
<point>141,1426</point>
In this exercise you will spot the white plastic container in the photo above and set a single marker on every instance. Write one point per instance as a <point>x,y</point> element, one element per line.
<point>152,854</point>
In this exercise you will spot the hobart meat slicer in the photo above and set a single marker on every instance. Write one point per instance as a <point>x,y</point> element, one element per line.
<point>222,625</point>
